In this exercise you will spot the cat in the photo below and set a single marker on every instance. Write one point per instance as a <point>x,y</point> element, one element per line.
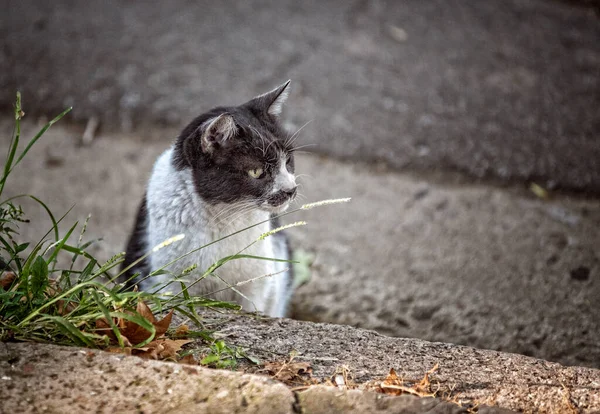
<point>230,168</point>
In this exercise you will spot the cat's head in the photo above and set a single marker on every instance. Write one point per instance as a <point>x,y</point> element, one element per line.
<point>241,154</point>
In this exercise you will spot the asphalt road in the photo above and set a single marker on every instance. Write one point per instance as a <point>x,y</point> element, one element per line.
<point>506,89</point>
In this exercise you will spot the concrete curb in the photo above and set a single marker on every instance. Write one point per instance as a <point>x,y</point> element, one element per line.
<point>54,379</point>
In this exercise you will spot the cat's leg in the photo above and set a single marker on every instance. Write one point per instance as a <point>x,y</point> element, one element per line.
<point>254,299</point>
<point>282,293</point>
<point>281,282</point>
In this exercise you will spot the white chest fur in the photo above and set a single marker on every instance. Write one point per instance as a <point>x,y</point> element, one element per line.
<point>174,207</point>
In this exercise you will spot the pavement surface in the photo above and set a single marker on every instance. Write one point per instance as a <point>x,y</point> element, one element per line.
<point>412,256</point>
<point>49,378</point>
<point>506,89</point>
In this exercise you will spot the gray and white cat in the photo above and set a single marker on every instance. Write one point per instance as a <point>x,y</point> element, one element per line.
<point>230,168</point>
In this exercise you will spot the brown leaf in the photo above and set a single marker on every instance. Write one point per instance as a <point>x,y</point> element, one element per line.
<point>133,333</point>
<point>137,334</point>
<point>145,311</point>
<point>182,330</point>
<point>424,386</point>
<point>162,325</point>
<point>393,385</point>
<point>188,359</point>
<point>103,328</point>
<point>7,279</point>
<point>64,310</point>
<point>148,352</point>
<point>161,349</point>
<point>172,346</point>
<point>286,372</point>
<point>392,378</point>
<point>117,350</point>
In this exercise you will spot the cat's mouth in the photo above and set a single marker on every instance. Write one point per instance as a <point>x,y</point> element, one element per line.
<point>279,202</point>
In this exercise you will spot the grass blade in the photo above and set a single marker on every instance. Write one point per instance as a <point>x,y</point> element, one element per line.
<point>40,133</point>
<point>14,142</point>
<point>60,245</point>
<point>71,331</point>
<point>54,222</point>
<point>108,318</point>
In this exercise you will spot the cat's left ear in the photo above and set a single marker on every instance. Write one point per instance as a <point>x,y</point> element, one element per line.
<point>216,132</point>
<point>272,101</point>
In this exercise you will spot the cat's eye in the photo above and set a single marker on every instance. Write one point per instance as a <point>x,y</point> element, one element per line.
<point>256,173</point>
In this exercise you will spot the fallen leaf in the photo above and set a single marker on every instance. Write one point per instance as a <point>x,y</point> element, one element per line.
<point>188,359</point>
<point>64,310</point>
<point>103,328</point>
<point>7,279</point>
<point>182,330</point>
<point>393,385</point>
<point>424,385</point>
<point>118,350</point>
<point>162,325</point>
<point>161,349</point>
<point>131,332</point>
<point>145,311</point>
<point>288,371</point>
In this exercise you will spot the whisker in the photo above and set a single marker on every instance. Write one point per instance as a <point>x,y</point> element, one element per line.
<point>262,138</point>
<point>302,146</point>
<point>228,211</point>
<point>290,140</point>
<point>299,197</point>
<point>304,152</point>
<point>239,214</point>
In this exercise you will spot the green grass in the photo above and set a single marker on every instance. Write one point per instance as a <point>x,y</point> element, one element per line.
<point>45,303</point>
<point>40,301</point>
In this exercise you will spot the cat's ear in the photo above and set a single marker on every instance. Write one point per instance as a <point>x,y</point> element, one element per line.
<point>216,132</point>
<point>272,101</point>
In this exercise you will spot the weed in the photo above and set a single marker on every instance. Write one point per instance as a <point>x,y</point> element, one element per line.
<point>39,301</point>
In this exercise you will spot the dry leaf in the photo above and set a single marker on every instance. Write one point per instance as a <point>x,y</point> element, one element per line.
<point>133,333</point>
<point>64,310</point>
<point>162,325</point>
<point>161,349</point>
<point>117,350</point>
<point>393,385</point>
<point>103,328</point>
<point>145,311</point>
<point>188,359</point>
<point>182,330</point>
<point>286,372</point>
<point>424,386</point>
<point>7,279</point>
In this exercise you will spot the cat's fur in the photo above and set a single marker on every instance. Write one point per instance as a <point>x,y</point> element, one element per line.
<point>202,187</point>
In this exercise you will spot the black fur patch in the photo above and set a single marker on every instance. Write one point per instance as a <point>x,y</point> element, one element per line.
<point>136,248</point>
